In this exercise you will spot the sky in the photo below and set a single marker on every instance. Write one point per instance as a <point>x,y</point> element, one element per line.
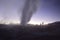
<point>48,11</point>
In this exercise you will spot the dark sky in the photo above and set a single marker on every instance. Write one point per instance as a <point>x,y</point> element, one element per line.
<point>48,11</point>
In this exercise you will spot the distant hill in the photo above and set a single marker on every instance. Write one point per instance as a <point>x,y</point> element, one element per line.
<point>55,23</point>
<point>54,28</point>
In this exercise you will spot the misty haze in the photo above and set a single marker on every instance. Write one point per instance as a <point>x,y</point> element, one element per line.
<point>29,19</point>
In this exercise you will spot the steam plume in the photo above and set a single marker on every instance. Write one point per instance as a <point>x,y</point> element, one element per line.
<point>28,10</point>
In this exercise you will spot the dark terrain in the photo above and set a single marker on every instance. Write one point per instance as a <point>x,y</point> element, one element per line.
<point>30,32</point>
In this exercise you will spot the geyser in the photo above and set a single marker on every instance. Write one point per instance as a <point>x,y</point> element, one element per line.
<point>29,8</point>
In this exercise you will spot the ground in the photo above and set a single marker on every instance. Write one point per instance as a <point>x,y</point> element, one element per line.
<point>30,32</point>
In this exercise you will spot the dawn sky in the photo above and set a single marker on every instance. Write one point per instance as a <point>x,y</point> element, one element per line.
<point>48,11</point>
